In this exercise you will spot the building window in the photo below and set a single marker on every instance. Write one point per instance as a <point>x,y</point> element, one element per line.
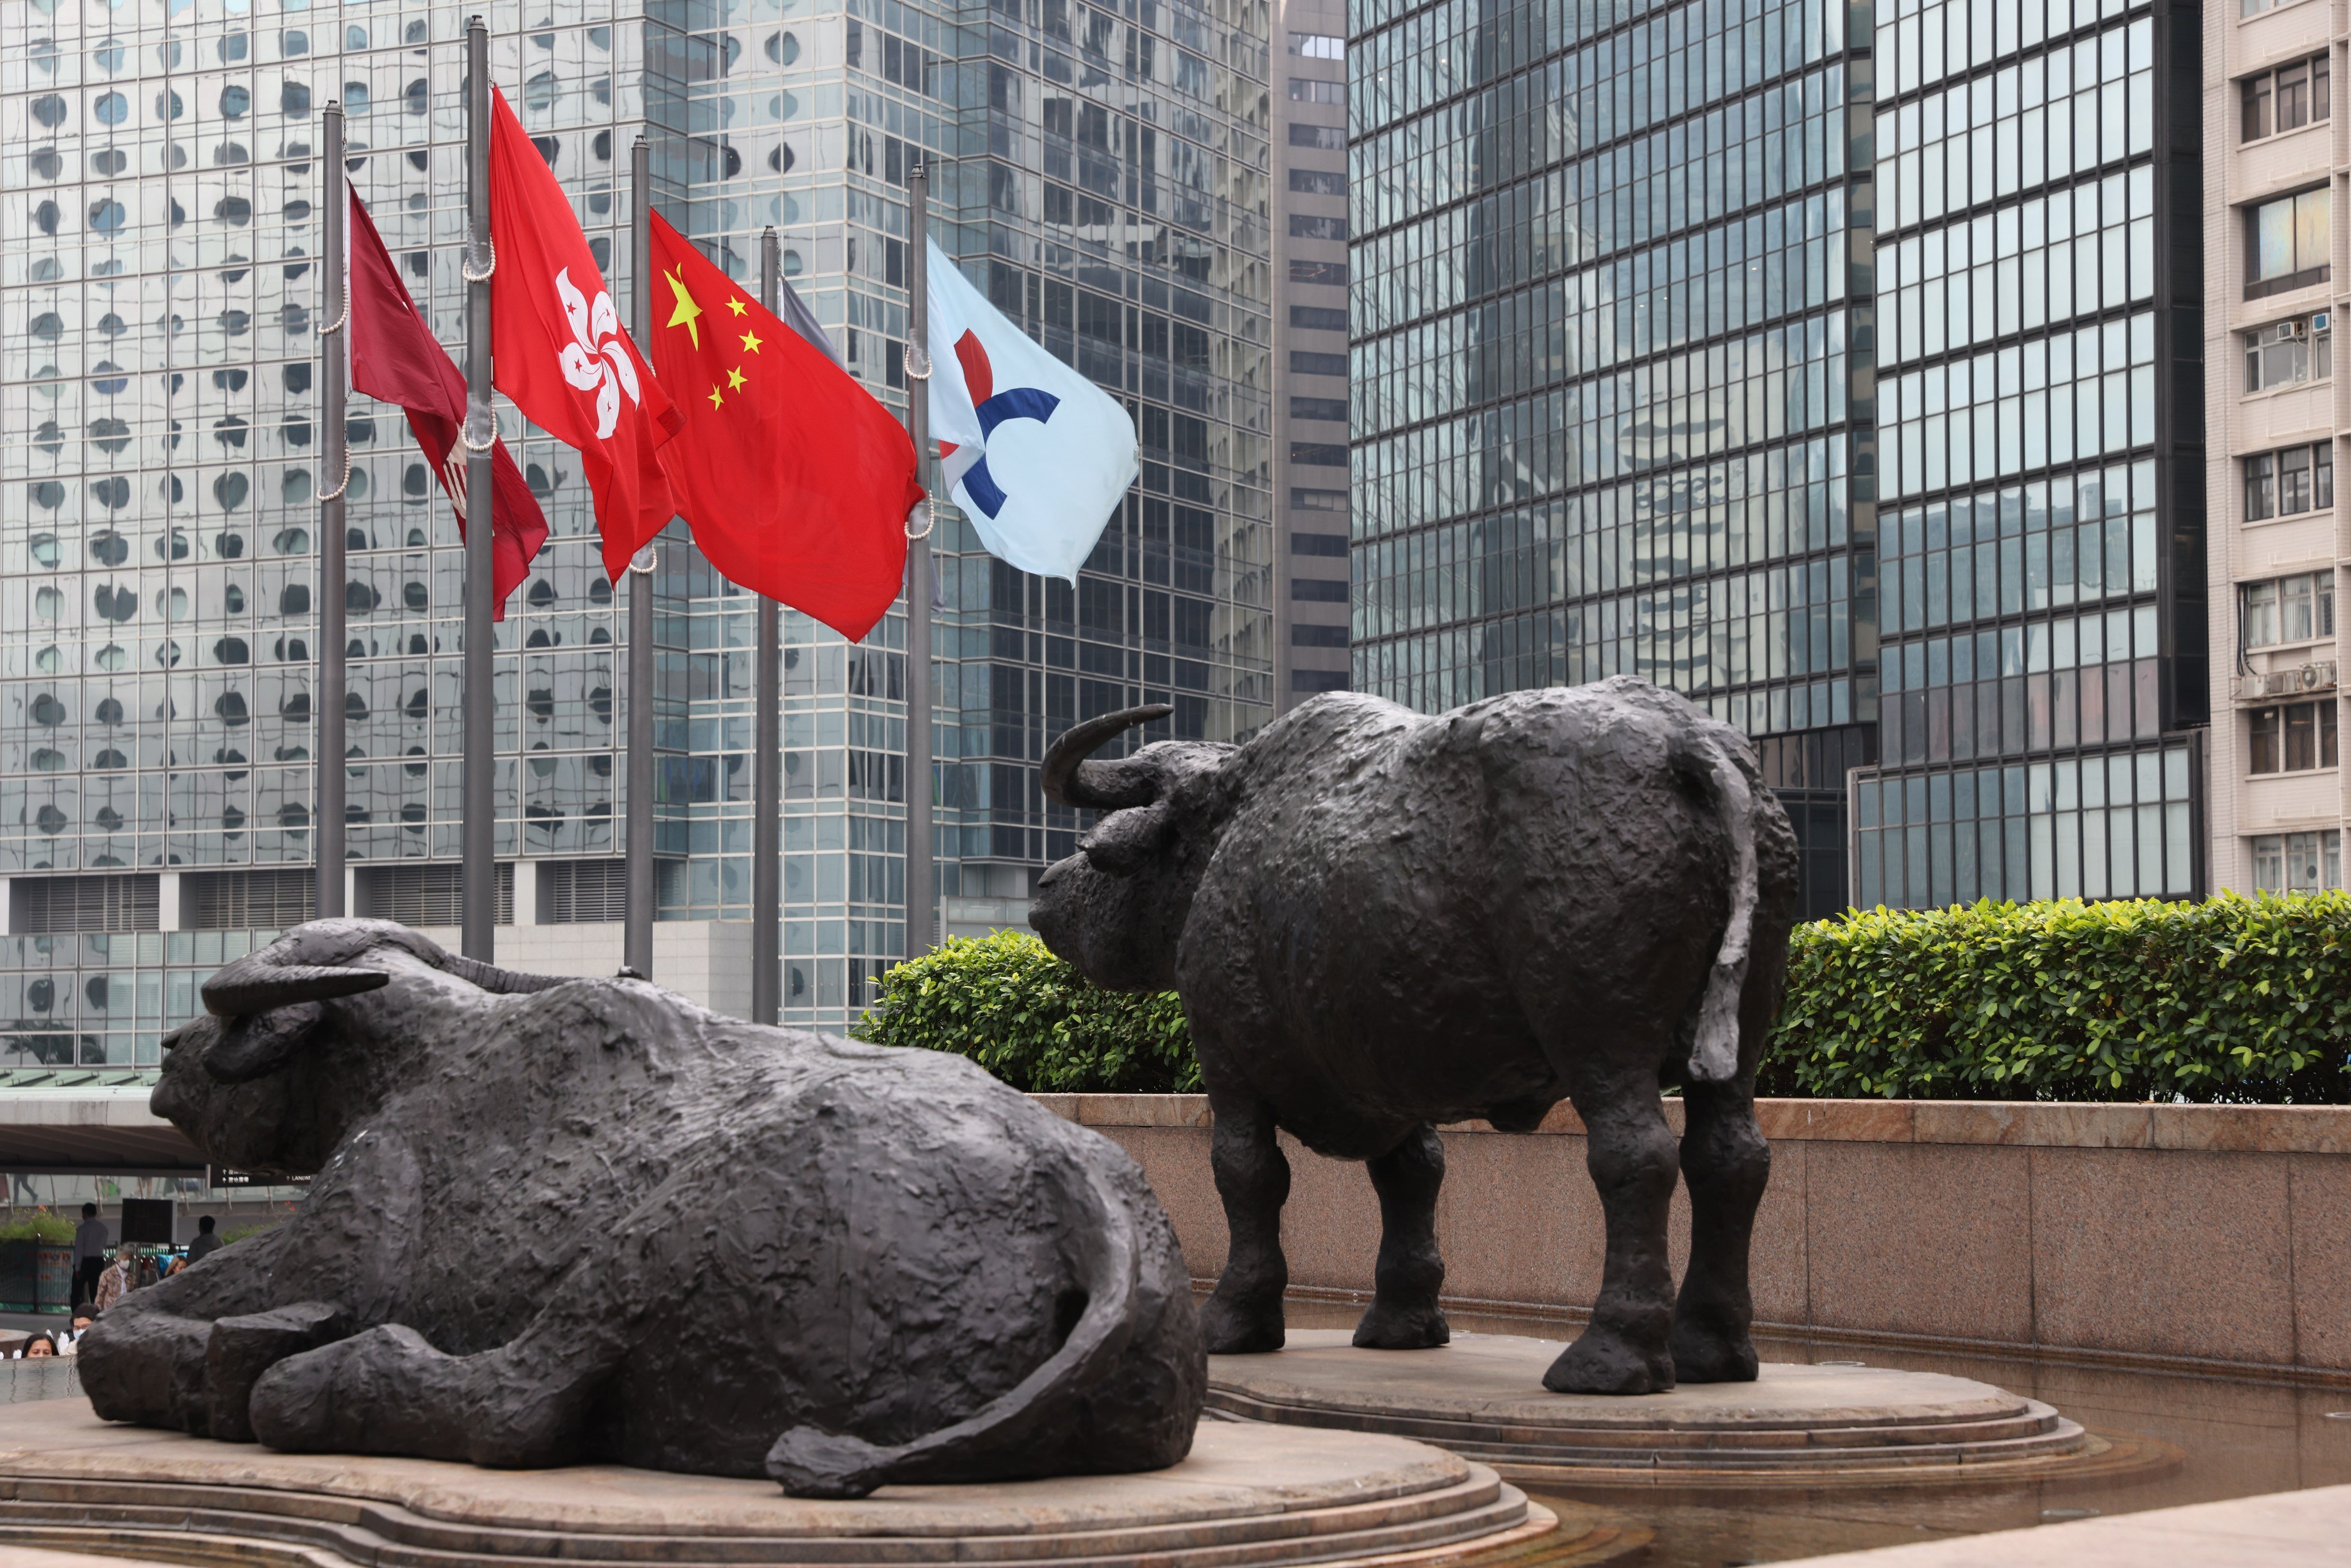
<point>1323,590</point>
<point>1318,183</point>
<point>1319,453</point>
<point>2286,244</point>
<point>1303,635</point>
<point>2298,863</point>
<point>1303,363</point>
<point>1329,137</point>
<point>2287,353</point>
<point>1304,228</point>
<point>2298,479</point>
<point>1318,46</point>
<point>1319,544</point>
<point>2289,610</point>
<point>1317,500</point>
<point>1329,408</point>
<point>1317,679</point>
<point>2286,99</point>
<point>1302,91</point>
<point>1332,272</point>
<point>2293,737</point>
<point>1320,318</point>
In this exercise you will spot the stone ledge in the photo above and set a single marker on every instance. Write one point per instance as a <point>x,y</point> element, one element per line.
<point>2242,1129</point>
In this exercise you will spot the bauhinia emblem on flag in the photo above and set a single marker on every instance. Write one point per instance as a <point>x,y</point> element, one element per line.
<point>796,481</point>
<point>1037,455</point>
<point>560,352</point>
<point>395,357</point>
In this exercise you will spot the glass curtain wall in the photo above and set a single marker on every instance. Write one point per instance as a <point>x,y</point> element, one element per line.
<point>1611,352</point>
<point>2040,538</point>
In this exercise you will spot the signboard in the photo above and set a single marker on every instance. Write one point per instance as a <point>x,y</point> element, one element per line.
<point>221,1177</point>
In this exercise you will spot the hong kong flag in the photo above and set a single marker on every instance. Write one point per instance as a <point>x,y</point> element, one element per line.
<point>395,357</point>
<point>560,351</point>
<point>796,481</point>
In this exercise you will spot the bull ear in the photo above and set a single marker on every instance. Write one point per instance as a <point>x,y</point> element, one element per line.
<point>1121,842</point>
<point>254,984</point>
<point>258,1045</point>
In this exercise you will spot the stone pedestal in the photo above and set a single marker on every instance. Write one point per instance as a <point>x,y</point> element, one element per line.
<point>1482,1397</point>
<point>1249,1494</point>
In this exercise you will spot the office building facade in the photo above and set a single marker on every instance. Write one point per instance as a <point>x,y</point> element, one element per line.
<point>1309,334</point>
<point>2041,519</point>
<point>1611,346</point>
<point>159,316</point>
<point>2276,801</point>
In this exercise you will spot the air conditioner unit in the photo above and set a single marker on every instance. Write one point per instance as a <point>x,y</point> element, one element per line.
<point>2318,676</point>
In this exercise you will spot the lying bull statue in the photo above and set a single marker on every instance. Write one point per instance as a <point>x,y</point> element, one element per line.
<point>1379,921</point>
<point>557,1221</point>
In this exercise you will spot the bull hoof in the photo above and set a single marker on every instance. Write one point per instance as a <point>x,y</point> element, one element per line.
<point>810,1463</point>
<point>1227,1329</point>
<point>1602,1361</point>
<point>1389,1327</point>
<point>1702,1356</point>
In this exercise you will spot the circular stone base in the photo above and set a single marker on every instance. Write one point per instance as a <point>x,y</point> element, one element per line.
<point>1482,1397</point>
<point>1248,1495</point>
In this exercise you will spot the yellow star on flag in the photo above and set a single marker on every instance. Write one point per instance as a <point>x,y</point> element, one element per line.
<point>715,400</point>
<point>733,379</point>
<point>751,342</point>
<point>686,312</point>
<point>735,305</point>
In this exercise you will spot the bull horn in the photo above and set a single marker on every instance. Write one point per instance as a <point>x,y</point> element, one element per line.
<point>1070,779</point>
<point>490,977</point>
<point>254,984</point>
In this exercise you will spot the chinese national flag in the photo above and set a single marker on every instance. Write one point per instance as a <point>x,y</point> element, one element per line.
<point>796,481</point>
<point>395,357</point>
<point>560,352</point>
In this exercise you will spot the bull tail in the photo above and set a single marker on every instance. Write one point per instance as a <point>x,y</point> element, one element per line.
<point>1713,1051</point>
<point>811,1462</point>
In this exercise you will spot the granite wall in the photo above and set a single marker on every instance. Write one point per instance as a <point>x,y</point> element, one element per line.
<point>2150,1234</point>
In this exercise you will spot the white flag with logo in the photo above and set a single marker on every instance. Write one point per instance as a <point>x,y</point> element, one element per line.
<point>1036,454</point>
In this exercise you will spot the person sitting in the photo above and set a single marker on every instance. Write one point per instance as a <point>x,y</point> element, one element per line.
<point>38,1347</point>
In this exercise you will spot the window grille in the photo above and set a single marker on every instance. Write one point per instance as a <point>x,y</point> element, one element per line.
<point>248,900</point>
<point>48,904</point>
<point>582,893</point>
<point>431,893</point>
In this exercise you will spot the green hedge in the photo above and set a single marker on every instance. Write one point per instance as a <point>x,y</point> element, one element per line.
<point>38,1226</point>
<point>1009,1005</point>
<point>2235,1000</point>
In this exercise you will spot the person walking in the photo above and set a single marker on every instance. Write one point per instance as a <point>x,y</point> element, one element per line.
<point>115,1282</point>
<point>206,1243</point>
<point>89,1254</point>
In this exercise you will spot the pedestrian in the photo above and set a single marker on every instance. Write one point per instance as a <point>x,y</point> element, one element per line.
<point>115,1282</point>
<point>89,1254</point>
<point>206,1243</point>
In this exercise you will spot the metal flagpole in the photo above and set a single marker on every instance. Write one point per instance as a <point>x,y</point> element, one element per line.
<point>478,839</point>
<point>767,774</point>
<point>922,896</point>
<point>334,378</point>
<point>637,910</point>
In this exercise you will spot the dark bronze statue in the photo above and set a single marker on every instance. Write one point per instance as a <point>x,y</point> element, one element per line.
<point>1379,921</point>
<point>587,1221</point>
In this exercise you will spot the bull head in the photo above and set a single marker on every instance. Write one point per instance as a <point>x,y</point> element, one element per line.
<point>252,1082</point>
<point>1116,908</point>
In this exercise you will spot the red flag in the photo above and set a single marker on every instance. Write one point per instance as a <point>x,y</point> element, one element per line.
<point>561,354</point>
<point>796,481</point>
<point>395,357</point>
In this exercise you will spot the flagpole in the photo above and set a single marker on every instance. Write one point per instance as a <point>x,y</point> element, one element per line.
<point>767,778</point>
<point>334,377</point>
<point>478,831</point>
<point>637,909</point>
<point>922,896</point>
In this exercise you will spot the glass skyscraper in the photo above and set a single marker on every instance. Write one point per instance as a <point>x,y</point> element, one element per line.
<point>1610,324</point>
<point>1837,369</point>
<point>2041,529</point>
<point>1102,173</point>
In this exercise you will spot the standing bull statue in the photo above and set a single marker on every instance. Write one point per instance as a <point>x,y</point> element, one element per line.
<point>1379,921</point>
<point>586,1221</point>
